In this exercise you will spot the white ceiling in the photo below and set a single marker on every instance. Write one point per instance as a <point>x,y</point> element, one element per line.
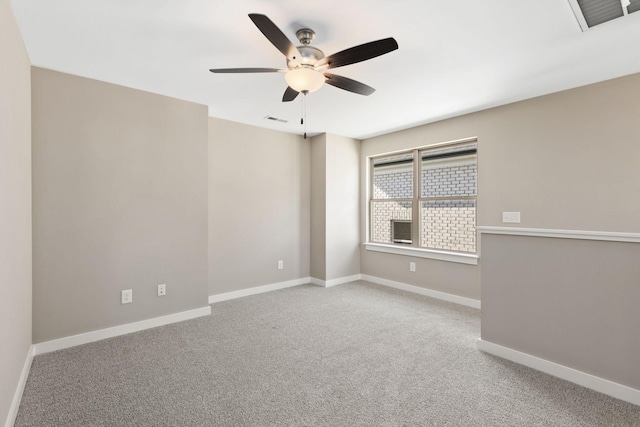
<point>454,57</point>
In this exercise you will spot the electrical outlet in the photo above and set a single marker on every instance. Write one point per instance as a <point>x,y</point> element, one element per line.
<point>280,264</point>
<point>412,266</point>
<point>162,290</point>
<point>126,296</point>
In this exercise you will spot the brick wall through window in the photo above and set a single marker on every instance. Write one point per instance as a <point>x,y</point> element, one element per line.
<point>447,224</point>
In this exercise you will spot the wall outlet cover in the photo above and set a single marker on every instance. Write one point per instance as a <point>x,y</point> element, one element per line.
<point>126,296</point>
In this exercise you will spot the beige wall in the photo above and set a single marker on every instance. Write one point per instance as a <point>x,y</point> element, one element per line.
<point>319,207</point>
<point>342,208</point>
<point>335,234</point>
<point>15,210</point>
<point>457,279</point>
<point>258,206</point>
<point>565,161</point>
<point>573,302</point>
<point>120,202</point>
<point>448,277</point>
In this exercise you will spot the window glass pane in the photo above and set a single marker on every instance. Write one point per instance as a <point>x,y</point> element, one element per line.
<point>448,172</point>
<point>393,177</point>
<point>448,225</point>
<point>383,217</point>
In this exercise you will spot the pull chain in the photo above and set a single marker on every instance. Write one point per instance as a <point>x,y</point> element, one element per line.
<point>303,119</point>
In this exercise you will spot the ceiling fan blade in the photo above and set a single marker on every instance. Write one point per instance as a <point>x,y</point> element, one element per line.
<point>289,94</point>
<point>348,84</point>
<point>245,70</point>
<point>275,36</point>
<point>358,53</point>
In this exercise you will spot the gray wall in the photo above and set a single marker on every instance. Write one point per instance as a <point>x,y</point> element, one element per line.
<point>342,207</point>
<point>573,302</point>
<point>452,278</point>
<point>319,207</point>
<point>15,207</point>
<point>119,201</point>
<point>259,202</point>
<point>335,234</point>
<point>457,279</point>
<point>566,161</point>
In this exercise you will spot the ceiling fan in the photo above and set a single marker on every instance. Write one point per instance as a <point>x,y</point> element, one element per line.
<point>307,65</point>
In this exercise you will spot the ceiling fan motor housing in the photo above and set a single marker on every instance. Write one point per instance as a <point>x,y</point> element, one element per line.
<point>309,54</point>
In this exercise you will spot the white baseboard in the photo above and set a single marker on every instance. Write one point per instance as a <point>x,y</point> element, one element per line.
<point>342,280</point>
<point>257,290</point>
<point>17,396</point>
<point>598,384</point>
<point>335,282</point>
<point>469,302</point>
<point>88,337</point>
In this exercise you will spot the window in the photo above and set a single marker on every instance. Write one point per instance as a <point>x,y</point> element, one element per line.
<point>426,198</point>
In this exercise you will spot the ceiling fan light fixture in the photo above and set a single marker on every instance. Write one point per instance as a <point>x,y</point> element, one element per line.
<point>307,64</point>
<point>304,79</point>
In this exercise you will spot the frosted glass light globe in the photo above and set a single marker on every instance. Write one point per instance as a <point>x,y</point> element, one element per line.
<point>304,79</point>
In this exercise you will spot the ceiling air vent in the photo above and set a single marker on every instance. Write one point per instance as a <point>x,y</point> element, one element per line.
<point>275,119</point>
<point>595,12</point>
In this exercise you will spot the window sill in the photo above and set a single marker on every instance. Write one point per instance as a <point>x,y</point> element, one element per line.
<point>470,259</point>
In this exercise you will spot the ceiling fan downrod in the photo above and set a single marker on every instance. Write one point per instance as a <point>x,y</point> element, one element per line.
<point>305,35</point>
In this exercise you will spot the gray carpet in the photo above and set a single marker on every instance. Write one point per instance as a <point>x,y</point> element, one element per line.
<point>351,355</point>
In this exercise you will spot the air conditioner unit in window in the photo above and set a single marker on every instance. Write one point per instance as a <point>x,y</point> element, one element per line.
<point>401,231</point>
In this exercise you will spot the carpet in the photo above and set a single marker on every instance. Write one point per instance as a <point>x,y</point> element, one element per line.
<point>352,355</point>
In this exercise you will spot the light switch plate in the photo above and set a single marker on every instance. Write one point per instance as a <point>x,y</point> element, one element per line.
<point>511,217</point>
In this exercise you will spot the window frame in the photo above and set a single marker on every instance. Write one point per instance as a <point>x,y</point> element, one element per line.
<point>415,249</point>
